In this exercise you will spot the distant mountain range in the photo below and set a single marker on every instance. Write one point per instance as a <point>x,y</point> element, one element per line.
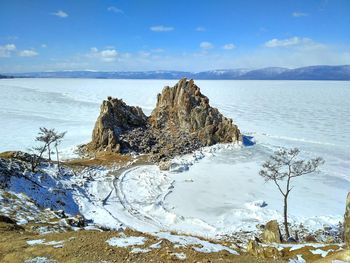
<point>271,73</point>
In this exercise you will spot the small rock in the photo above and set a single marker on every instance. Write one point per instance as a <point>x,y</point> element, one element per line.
<point>291,240</point>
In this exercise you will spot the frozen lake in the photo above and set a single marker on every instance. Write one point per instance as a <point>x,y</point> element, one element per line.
<point>311,115</point>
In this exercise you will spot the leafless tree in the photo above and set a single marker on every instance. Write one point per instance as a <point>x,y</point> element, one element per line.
<point>36,155</point>
<point>49,137</point>
<point>46,136</point>
<point>57,139</point>
<point>282,167</point>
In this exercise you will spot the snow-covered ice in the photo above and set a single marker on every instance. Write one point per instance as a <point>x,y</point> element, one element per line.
<point>212,192</point>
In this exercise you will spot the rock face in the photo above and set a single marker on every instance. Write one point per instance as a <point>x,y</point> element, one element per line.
<point>182,122</point>
<point>346,233</point>
<point>115,119</point>
<point>184,108</point>
<point>272,233</point>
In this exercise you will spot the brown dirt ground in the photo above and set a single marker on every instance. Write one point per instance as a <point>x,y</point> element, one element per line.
<point>91,246</point>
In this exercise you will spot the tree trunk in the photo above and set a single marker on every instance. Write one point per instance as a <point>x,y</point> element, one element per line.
<point>58,160</point>
<point>48,147</point>
<point>285,214</point>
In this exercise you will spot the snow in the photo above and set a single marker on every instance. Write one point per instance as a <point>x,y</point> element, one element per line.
<point>198,244</point>
<point>126,241</point>
<point>35,242</point>
<point>140,250</point>
<point>321,252</point>
<point>180,256</point>
<point>210,193</point>
<point>299,246</point>
<point>298,260</point>
<point>55,244</point>
<point>156,245</point>
<point>40,260</point>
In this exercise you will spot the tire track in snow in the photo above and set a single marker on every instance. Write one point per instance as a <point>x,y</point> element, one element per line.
<point>158,200</point>
<point>118,184</point>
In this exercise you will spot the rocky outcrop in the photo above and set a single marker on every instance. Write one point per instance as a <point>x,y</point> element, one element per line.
<point>272,233</point>
<point>346,226</point>
<point>115,119</point>
<point>182,122</point>
<point>183,108</point>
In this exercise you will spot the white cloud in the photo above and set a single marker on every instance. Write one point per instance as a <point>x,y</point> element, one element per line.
<point>6,50</point>
<point>161,28</point>
<point>299,14</point>
<point>106,55</point>
<point>60,14</point>
<point>115,10</point>
<point>229,46</point>
<point>200,29</point>
<point>206,45</point>
<point>293,41</point>
<point>28,53</point>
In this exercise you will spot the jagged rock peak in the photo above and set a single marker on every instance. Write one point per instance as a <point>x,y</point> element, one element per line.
<point>183,108</point>
<point>115,118</point>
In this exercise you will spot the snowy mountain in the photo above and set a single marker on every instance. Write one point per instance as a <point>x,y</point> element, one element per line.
<point>270,73</point>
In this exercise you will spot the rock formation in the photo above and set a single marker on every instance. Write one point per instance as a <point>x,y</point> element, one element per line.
<point>182,122</point>
<point>346,233</point>
<point>184,109</point>
<point>115,119</point>
<point>272,233</point>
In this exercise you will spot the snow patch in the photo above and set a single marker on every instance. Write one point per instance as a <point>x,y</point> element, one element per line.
<point>180,256</point>
<point>197,244</point>
<point>126,241</point>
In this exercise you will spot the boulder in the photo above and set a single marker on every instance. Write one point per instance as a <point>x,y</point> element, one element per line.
<point>346,225</point>
<point>272,233</point>
<point>77,221</point>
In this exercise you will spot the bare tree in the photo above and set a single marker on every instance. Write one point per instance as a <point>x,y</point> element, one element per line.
<point>57,139</point>
<point>36,155</point>
<point>283,167</point>
<point>46,136</point>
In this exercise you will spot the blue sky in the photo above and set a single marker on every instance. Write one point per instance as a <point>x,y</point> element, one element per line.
<point>172,35</point>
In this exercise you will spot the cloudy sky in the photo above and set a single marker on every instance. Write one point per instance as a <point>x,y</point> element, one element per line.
<point>190,35</point>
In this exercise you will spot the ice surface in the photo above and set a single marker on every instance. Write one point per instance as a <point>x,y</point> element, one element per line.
<point>211,192</point>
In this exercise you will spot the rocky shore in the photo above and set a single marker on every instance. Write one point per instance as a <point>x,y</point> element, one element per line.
<point>182,122</point>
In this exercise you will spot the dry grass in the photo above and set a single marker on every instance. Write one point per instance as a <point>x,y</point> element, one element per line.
<point>91,246</point>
